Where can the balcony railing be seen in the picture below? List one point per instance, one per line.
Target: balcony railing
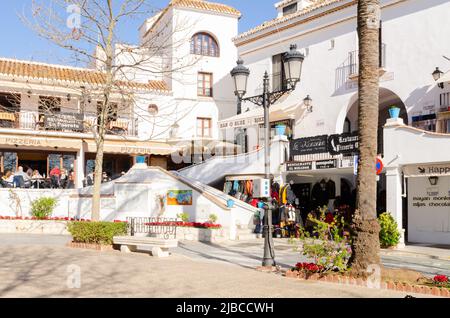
(66, 122)
(353, 58)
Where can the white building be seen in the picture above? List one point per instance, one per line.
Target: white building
(413, 34)
(169, 108)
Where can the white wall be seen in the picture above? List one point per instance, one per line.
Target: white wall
(414, 32)
(428, 223)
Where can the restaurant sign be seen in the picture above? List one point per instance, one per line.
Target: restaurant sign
(343, 144)
(427, 170)
(299, 166)
(326, 164)
(309, 145)
(245, 122)
(64, 121)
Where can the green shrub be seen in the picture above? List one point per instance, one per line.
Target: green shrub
(328, 245)
(183, 216)
(389, 233)
(42, 208)
(213, 218)
(96, 232)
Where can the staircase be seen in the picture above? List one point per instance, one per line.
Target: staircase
(246, 234)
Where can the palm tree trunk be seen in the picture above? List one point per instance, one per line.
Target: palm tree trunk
(365, 225)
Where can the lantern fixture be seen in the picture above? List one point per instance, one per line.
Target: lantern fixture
(293, 61)
(437, 74)
(240, 76)
(308, 104)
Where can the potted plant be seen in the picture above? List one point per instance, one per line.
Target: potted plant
(394, 111)
(280, 129)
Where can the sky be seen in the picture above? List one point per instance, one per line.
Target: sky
(20, 42)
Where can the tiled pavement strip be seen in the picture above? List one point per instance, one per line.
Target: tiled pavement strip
(36, 266)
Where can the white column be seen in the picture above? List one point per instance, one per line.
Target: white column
(394, 198)
(80, 167)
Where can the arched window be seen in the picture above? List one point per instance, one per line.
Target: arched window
(347, 126)
(204, 44)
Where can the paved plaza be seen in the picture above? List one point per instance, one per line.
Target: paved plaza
(41, 266)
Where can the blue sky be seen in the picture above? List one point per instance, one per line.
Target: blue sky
(19, 41)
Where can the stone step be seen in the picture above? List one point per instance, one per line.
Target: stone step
(247, 236)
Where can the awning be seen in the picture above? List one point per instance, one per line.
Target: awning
(286, 108)
(445, 78)
(427, 170)
(132, 147)
(44, 143)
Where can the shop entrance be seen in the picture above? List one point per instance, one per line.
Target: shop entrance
(34, 161)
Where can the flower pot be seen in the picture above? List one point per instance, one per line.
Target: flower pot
(140, 159)
(230, 203)
(394, 112)
(280, 130)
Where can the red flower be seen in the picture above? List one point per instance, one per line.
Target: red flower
(441, 279)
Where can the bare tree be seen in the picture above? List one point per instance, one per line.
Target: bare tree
(90, 30)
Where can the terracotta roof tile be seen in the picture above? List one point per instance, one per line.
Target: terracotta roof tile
(315, 6)
(33, 70)
(205, 5)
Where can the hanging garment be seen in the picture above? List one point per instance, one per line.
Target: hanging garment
(274, 194)
(290, 213)
(276, 187)
(331, 189)
(241, 186)
(319, 195)
(227, 187)
(236, 186)
(283, 194)
(290, 196)
(249, 187)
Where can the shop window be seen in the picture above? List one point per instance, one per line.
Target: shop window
(9, 102)
(204, 44)
(90, 166)
(112, 112)
(68, 162)
(54, 160)
(444, 101)
(278, 74)
(204, 127)
(292, 8)
(49, 104)
(9, 161)
(204, 84)
(425, 122)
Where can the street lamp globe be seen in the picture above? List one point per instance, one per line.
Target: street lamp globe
(308, 103)
(293, 61)
(240, 76)
(437, 74)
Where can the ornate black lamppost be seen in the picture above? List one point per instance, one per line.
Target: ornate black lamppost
(292, 63)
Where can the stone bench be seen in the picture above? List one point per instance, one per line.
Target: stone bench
(160, 246)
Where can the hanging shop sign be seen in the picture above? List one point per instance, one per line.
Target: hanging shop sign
(309, 145)
(427, 170)
(299, 166)
(326, 164)
(64, 121)
(343, 144)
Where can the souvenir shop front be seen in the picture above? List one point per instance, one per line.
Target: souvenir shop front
(286, 216)
(322, 173)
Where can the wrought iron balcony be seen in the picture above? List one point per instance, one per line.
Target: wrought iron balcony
(66, 122)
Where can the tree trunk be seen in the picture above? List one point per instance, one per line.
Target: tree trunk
(365, 225)
(98, 176)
